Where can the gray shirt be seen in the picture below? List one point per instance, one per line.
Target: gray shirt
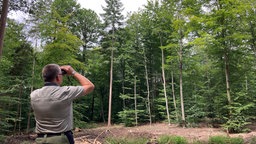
(53, 108)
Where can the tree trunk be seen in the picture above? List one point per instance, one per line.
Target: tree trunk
(84, 54)
(148, 91)
(123, 79)
(31, 90)
(102, 106)
(110, 87)
(246, 84)
(164, 84)
(174, 98)
(18, 116)
(135, 102)
(3, 24)
(20, 106)
(181, 88)
(227, 78)
(92, 107)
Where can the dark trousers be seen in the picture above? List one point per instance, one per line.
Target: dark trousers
(70, 137)
(46, 138)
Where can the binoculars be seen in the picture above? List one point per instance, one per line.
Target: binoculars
(63, 72)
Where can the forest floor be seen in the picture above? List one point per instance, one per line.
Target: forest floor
(151, 132)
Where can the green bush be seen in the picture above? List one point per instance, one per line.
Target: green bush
(237, 121)
(236, 124)
(225, 140)
(127, 117)
(165, 139)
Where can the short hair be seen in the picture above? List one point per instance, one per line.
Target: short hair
(50, 72)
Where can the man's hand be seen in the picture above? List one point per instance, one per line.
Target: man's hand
(68, 69)
(86, 83)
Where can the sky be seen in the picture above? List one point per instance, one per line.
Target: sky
(129, 5)
(96, 5)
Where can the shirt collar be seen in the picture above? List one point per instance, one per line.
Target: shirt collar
(50, 84)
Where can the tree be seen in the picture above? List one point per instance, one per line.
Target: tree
(112, 20)
(163, 20)
(15, 69)
(223, 37)
(149, 46)
(3, 23)
(179, 35)
(61, 45)
(39, 18)
(87, 27)
(132, 73)
(14, 5)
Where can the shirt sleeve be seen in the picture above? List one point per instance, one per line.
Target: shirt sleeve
(72, 92)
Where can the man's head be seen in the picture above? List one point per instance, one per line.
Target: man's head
(52, 73)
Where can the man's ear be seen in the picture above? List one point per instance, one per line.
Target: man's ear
(57, 78)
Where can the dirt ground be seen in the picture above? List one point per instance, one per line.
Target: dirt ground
(151, 132)
(97, 136)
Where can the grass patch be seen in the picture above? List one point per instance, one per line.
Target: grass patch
(165, 139)
(199, 142)
(252, 140)
(225, 140)
(168, 139)
(2, 138)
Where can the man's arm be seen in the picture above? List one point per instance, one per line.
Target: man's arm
(86, 83)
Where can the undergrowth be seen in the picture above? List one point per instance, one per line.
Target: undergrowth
(167, 139)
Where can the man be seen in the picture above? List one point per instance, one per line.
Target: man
(52, 104)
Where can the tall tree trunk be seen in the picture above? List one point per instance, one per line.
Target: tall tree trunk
(165, 95)
(18, 116)
(227, 78)
(181, 85)
(135, 101)
(84, 54)
(164, 84)
(226, 58)
(20, 106)
(110, 88)
(111, 78)
(102, 106)
(153, 94)
(246, 84)
(92, 107)
(174, 98)
(31, 89)
(148, 90)
(123, 79)
(3, 24)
